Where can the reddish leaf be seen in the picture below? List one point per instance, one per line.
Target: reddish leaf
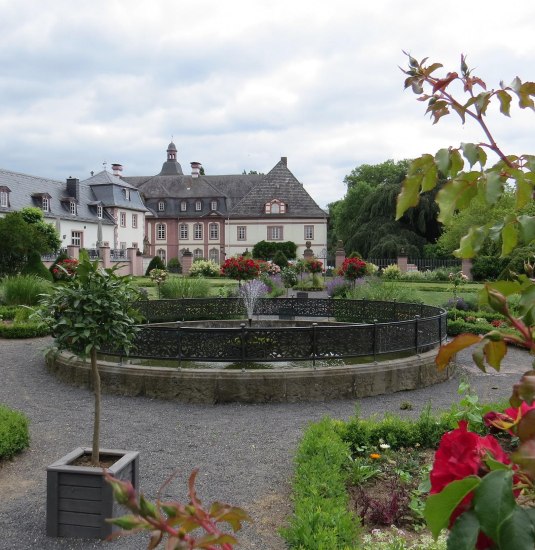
(525, 457)
(495, 352)
(526, 426)
(443, 83)
(524, 390)
(459, 343)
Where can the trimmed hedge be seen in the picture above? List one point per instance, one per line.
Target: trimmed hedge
(321, 520)
(14, 433)
(23, 330)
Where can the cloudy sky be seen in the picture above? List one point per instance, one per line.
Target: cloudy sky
(238, 84)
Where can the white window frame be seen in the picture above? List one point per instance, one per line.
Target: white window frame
(45, 204)
(213, 231)
(122, 219)
(72, 208)
(213, 205)
(161, 231)
(198, 206)
(197, 231)
(213, 254)
(100, 211)
(134, 221)
(77, 238)
(275, 232)
(183, 231)
(161, 206)
(161, 253)
(309, 232)
(4, 199)
(241, 232)
(183, 206)
(126, 193)
(198, 254)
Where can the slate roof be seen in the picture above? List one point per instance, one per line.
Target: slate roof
(25, 188)
(109, 190)
(278, 183)
(240, 195)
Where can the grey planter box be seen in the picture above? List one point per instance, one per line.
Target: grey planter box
(78, 497)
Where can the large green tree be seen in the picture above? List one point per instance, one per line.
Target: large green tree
(35, 217)
(364, 218)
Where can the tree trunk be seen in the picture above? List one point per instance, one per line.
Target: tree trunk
(95, 377)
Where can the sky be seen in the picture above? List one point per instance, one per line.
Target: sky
(238, 84)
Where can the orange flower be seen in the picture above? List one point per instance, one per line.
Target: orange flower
(375, 456)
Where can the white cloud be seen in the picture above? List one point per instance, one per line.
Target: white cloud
(239, 84)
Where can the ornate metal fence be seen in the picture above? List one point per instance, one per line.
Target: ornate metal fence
(370, 329)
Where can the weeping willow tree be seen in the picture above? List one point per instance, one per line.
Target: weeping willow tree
(364, 218)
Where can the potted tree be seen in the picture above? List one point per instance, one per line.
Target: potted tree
(91, 311)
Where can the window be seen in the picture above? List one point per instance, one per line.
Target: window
(100, 211)
(183, 230)
(3, 199)
(213, 205)
(197, 254)
(160, 231)
(275, 207)
(134, 221)
(183, 206)
(274, 233)
(126, 193)
(198, 206)
(122, 217)
(122, 246)
(72, 208)
(76, 238)
(161, 254)
(161, 206)
(214, 255)
(197, 231)
(45, 204)
(309, 232)
(214, 231)
(241, 232)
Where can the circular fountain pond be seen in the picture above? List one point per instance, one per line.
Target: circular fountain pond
(310, 355)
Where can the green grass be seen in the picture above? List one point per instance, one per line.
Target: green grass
(14, 433)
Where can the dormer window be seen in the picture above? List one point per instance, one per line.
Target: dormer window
(213, 205)
(275, 207)
(198, 206)
(183, 206)
(4, 196)
(126, 193)
(161, 206)
(100, 211)
(45, 204)
(72, 208)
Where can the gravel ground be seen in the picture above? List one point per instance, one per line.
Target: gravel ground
(244, 452)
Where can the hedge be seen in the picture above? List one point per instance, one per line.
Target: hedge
(14, 433)
(23, 330)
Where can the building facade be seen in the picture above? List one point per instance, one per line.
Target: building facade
(215, 217)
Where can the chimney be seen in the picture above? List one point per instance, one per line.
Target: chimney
(117, 169)
(284, 161)
(73, 187)
(195, 169)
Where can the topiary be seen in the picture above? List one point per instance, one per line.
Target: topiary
(174, 265)
(155, 263)
(34, 266)
(280, 259)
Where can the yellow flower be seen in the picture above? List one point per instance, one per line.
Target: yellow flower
(375, 456)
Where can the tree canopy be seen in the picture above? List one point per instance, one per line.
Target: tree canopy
(364, 218)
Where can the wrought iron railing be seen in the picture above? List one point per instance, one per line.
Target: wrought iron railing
(118, 255)
(370, 329)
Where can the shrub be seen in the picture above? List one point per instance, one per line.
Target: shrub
(314, 266)
(14, 433)
(36, 267)
(517, 260)
(184, 287)
(337, 287)
(24, 290)
(487, 268)
(391, 273)
(240, 268)
(288, 276)
(459, 326)
(321, 519)
(266, 250)
(352, 269)
(155, 263)
(204, 268)
(280, 259)
(376, 289)
(23, 330)
(463, 304)
(174, 265)
(64, 269)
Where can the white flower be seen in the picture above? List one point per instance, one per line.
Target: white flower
(384, 446)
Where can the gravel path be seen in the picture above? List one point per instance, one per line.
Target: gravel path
(244, 452)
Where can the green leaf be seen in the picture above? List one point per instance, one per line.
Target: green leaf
(471, 242)
(494, 187)
(442, 159)
(464, 533)
(516, 532)
(409, 195)
(527, 228)
(495, 351)
(470, 153)
(494, 501)
(147, 509)
(509, 238)
(439, 507)
(524, 189)
(505, 102)
(457, 163)
(456, 194)
(128, 522)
